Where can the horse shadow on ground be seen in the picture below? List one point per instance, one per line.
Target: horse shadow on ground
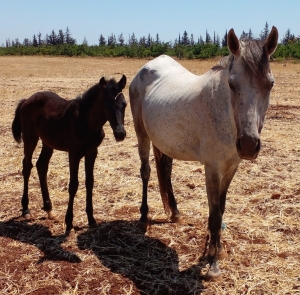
(40, 237)
(150, 264)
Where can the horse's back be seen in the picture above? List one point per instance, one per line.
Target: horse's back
(179, 111)
(42, 115)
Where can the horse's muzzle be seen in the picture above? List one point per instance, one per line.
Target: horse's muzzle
(248, 147)
(120, 133)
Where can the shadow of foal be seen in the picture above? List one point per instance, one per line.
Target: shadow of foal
(40, 237)
(146, 261)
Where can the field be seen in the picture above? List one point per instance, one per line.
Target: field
(262, 210)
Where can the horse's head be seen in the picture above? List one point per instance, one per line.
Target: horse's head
(114, 105)
(250, 81)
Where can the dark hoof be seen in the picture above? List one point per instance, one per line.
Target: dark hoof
(143, 226)
(177, 219)
(214, 273)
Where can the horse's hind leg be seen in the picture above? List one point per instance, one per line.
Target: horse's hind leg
(74, 160)
(29, 146)
(164, 171)
(42, 168)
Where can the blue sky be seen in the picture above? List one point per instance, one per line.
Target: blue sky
(90, 18)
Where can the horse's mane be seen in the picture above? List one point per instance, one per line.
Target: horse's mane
(89, 96)
(254, 58)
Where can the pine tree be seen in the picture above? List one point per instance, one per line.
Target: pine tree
(224, 40)
(61, 37)
(185, 38)
(157, 41)
(132, 40)
(68, 38)
(142, 41)
(102, 40)
(264, 33)
(40, 42)
(34, 41)
(192, 40)
(201, 42)
(207, 38)
(149, 41)
(250, 35)
(111, 40)
(53, 38)
(288, 37)
(121, 40)
(218, 41)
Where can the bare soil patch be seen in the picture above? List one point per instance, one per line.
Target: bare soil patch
(262, 210)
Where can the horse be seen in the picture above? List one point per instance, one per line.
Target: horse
(74, 126)
(215, 118)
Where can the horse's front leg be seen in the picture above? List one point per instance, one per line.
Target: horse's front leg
(74, 160)
(89, 184)
(213, 188)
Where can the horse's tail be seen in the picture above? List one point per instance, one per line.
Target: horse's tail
(17, 124)
(163, 183)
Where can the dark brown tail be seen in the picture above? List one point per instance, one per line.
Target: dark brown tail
(16, 124)
(158, 155)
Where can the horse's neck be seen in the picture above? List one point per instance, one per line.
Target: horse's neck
(218, 93)
(96, 116)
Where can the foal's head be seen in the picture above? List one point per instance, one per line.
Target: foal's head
(114, 105)
(250, 81)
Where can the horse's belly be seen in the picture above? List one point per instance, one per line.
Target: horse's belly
(175, 138)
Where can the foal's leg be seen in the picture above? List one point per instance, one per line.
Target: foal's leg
(164, 171)
(29, 146)
(89, 184)
(42, 168)
(213, 185)
(74, 160)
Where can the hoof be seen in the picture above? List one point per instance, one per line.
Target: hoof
(214, 273)
(143, 226)
(27, 216)
(177, 219)
(51, 216)
(223, 255)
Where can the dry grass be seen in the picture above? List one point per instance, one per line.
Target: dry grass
(262, 211)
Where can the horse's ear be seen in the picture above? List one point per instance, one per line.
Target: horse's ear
(122, 82)
(233, 43)
(271, 42)
(102, 82)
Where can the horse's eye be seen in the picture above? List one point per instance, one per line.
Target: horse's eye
(231, 86)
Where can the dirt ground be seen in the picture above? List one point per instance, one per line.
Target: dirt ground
(262, 210)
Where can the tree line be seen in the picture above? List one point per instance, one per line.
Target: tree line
(185, 46)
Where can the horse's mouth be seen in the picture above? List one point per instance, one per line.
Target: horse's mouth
(248, 152)
(120, 135)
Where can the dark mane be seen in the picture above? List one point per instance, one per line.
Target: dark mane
(89, 96)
